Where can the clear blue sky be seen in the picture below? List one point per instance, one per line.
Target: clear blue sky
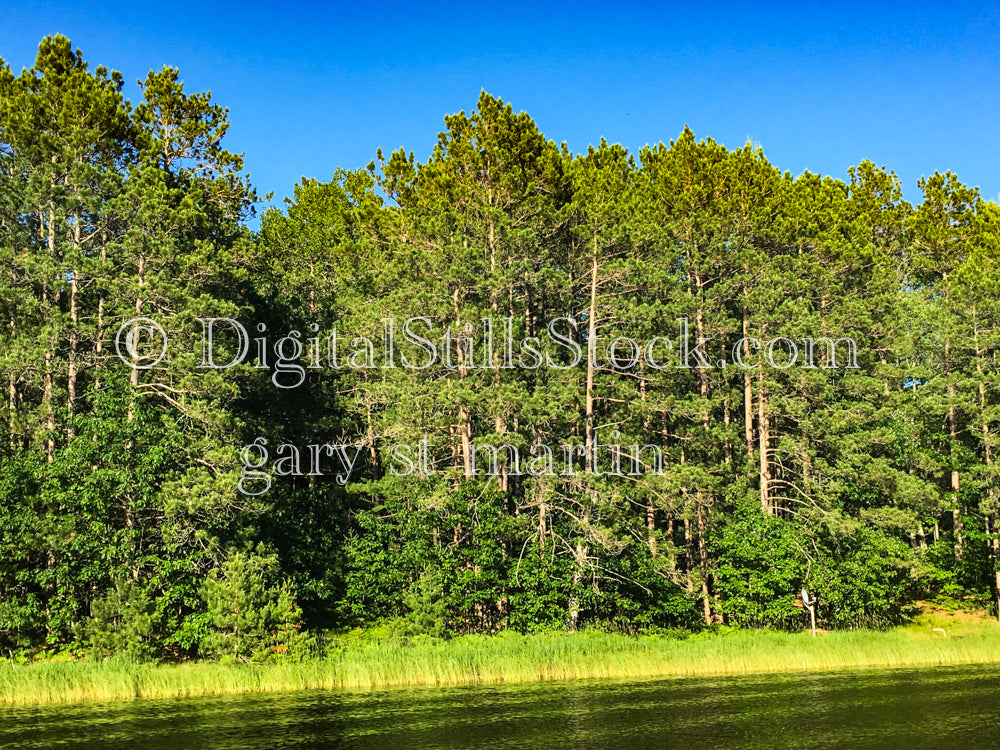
(913, 86)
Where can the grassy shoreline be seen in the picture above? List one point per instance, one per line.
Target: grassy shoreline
(504, 658)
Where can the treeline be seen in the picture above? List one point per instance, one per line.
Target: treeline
(122, 523)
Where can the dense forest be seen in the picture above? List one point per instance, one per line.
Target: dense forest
(128, 522)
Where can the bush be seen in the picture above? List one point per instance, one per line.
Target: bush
(425, 600)
(253, 617)
(121, 623)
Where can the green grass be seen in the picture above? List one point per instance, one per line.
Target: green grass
(505, 658)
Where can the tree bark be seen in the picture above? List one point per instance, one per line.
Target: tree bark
(703, 561)
(139, 302)
(591, 355)
(747, 387)
(765, 437)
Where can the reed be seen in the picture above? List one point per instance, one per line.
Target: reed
(508, 657)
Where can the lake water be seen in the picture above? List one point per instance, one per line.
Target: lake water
(953, 707)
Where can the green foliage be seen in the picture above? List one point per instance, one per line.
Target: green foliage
(875, 485)
(254, 617)
(425, 600)
(121, 623)
(867, 583)
(760, 569)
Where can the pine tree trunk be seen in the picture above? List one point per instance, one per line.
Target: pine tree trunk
(703, 560)
(650, 508)
(139, 302)
(99, 344)
(747, 387)
(542, 510)
(591, 355)
(579, 565)
(955, 513)
(465, 435)
(12, 377)
(994, 515)
(48, 394)
(765, 437)
(993, 519)
(74, 321)
(703, 498)
(464, 416)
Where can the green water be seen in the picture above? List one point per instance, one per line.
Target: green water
(954, 708)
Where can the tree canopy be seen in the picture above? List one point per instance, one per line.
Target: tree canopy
(811, 362)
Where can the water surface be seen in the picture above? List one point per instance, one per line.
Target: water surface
(945, 707)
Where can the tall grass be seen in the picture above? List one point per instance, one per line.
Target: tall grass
(505, 658)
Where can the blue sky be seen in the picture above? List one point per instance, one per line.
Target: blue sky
(913, 86)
